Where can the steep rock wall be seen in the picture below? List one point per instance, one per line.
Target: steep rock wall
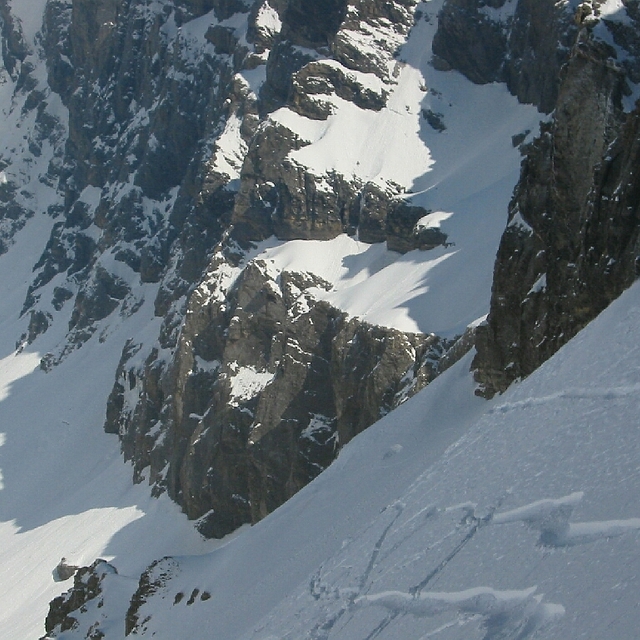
(522, 43)
(252, 384)
(570, 246)
(265, 385)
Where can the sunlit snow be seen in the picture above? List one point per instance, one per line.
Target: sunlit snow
(451, 518)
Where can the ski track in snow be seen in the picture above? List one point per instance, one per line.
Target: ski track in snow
(570, 394)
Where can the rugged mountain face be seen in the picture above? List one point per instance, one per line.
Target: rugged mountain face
(264, 386)
(166, 142)
(571, 245)
(167, 145)
(158, 141)
(252, 396)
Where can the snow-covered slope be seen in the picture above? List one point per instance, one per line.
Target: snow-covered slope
(64, 490)
(450, 518)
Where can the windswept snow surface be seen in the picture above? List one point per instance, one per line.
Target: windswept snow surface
(452, 518)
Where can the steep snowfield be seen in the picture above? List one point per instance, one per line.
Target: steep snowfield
(64, 489)
(451, 518)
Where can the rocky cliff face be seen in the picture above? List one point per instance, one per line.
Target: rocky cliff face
(165, 147)
(167, 144)
(264, 386)
(571, 245)
(523, 44)
(252, 394)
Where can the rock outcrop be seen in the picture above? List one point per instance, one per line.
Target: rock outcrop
(571, 244)
(522, 43)
(87, 591)
(154, 143)
(266, 383)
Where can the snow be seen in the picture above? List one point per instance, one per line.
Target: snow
(467, 172)
(65, 489)
(374, 146)
(482, 601)
(230, 149)
(613, 10)
(268, 20)
(433, 220)
(451, 518)
(540, 284)
(551, 518)
(501, 14)
(29, 15)
(518, 221)
(391, 553)
(254, 78)
(342, 262)
(246, 383)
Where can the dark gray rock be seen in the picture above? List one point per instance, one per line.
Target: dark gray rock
(374, 206)
(284, 61)
(152, 579)
(540, 39)
(545, 284)
(14, 48)
(265, 385)
(470, 41)
(313, 23)
(87, 586)
(280, 197)
(368, 18)
(64, 571)
(402, 232)
(317, 79)
(98, 299)
(526, 49)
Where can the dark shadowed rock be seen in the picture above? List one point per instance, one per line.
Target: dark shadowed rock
(266, 384)
(545, 288)
(525, 48)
